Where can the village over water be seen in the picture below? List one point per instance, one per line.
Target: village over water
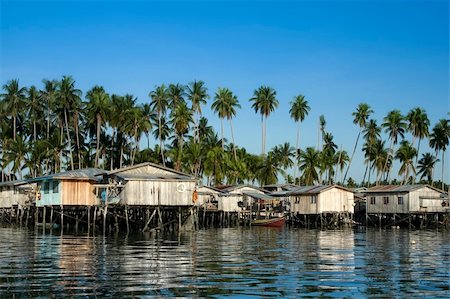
(151, 197)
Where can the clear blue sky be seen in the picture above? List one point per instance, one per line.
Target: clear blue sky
(390, 54)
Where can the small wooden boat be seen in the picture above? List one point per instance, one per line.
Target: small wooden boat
(272, 222)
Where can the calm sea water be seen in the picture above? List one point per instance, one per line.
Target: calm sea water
(238, 262)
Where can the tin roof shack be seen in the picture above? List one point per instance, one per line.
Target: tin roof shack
(236, 198)
(16, 193)
(208, 197)
(394, 199)
(149, 184)
(321, 199)
(71, 188)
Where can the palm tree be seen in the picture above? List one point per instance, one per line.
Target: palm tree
(98, 109)
(159, 102)
(34, 109)
(395, 126)
(17, 152)
(341, 160)
(371, 135)
(418, 124)
(48, 95)
(176, 94)
(439, 140)
(405, 154)
(361, 115)
(265, 102)
(321, 131)
(426, 166)
(14, 98)
(197, 93)
(225, 104)
(328, 154)
(181, 120)
(299, 110)
(309, 163)
(268, 170)
(68, 97)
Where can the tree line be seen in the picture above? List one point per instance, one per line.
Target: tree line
(56, 127)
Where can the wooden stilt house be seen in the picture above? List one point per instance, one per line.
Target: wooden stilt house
(16, 193)
(404, 199)
(71, 188)
(150, 184)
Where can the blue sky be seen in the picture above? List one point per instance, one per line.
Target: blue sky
(390, 54)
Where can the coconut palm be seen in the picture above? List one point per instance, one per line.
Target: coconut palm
(362, 113)
(268, 170)
(371, 134)
(309, 163)
(341, 160)
(225, 104)
(98, 109)
(68, 97)
(405, 154)
(197, 93)
(34, 111)
(426, 166)
(48, 95)
(16, 152)
(176, 94)
(439, 140)
(265, 102)
(395, 126)
(299, 110)
(181, 120)
(321, 131)
(418, 124)
(14, 98)
(159, 102)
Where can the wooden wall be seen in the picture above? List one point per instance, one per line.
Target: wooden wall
(10, 195)
(424, 199)
(330, 200)
(154, 193)
(78, 193)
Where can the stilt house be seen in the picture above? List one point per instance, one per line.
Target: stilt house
(14, 193)
(235, 198)
(150, 184)
(208, 197)
(309, 200)
(404, 199)
(71, 188)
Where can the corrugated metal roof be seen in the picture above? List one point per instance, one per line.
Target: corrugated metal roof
(79, 174)
(258, 195)
(146, 177)
(315, 189)
(148, 164)
(14, 183)
(395, 188)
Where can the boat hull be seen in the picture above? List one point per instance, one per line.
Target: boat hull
(274, 222)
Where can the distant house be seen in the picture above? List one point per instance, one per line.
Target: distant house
(234, 198)
(395, 199)
(321, 199)
(150, 184)
(208, 197)
(71, 188)
(16, 193)
(279, 187)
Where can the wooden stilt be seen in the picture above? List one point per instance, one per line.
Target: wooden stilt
(126, 218)
(44, 212)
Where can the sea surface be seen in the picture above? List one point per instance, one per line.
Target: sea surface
(245, 262)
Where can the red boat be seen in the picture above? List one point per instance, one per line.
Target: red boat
(272, 222)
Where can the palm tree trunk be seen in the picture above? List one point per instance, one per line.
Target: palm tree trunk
(442, 181)
(14, 127)
(160, 139)
(232, 138)
(75, 121)
(98, 141)
(297, 150)
(221, 132)
(353, 154)
(68, 139)
(262, 134)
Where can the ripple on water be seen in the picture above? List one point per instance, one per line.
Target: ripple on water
(244, 262)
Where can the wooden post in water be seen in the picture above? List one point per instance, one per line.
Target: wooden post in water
(105, 212)
(126, 218)
(44, 212)
(51, 218)
(88, 219)
(62, 219)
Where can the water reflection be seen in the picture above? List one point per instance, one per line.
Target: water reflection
(253, 261)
